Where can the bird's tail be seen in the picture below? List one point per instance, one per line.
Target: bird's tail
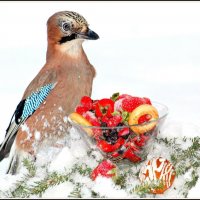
(13, 165)
(8, 140)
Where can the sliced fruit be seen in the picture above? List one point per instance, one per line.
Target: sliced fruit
(108, 147)
(114, 121)
(90, 116)
(82, 121)
(129, 154)
(123, 132)
(104, 107)
(140, 140)
(141, 110)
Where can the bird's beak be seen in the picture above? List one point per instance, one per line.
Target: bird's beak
(89, 35)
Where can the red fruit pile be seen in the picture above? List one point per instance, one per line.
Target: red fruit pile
(110, 116)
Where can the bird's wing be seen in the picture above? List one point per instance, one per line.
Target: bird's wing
(24, 110)
(44, 77)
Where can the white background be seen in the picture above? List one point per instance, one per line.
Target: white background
(147, 49)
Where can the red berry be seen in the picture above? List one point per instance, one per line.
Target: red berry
(86, 101)
(139, 141)
(106, 169)
(114, 121)
(105, 119)
(129, 104)
(123, 132)
(81, 109)
(131, 156)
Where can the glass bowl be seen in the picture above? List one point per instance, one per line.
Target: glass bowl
(131, 147)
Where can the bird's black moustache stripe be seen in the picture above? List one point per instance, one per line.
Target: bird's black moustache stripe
(67, 38)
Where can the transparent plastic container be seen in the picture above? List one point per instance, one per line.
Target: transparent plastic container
(130, 149)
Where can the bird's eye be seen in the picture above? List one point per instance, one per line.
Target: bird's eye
(66, 26)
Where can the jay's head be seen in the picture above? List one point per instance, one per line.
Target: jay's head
(66, 26)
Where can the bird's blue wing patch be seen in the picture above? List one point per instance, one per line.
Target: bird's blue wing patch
(24, 109)
(35, 99)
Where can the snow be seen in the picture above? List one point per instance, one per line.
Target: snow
(194, 192)
(106, 187)
(78, 145)
(37, 135)
(26, 129)
(76, 153)
(7, 181)
(66, 158)
(59, 191)
(151, 50)
(180, 129)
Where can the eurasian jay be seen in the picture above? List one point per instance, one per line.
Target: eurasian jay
(39, 120)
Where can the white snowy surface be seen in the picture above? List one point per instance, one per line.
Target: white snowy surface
(59, 191)
(147, 49)
(105, 187)
(61, 158)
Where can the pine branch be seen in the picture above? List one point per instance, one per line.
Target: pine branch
(21, 189)
(190, 152)
(183, 160)
(189, 184)
(38, 188)
(51, 180)
(76, 193)
(121, 180)
(30, 166)
(146, 187)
